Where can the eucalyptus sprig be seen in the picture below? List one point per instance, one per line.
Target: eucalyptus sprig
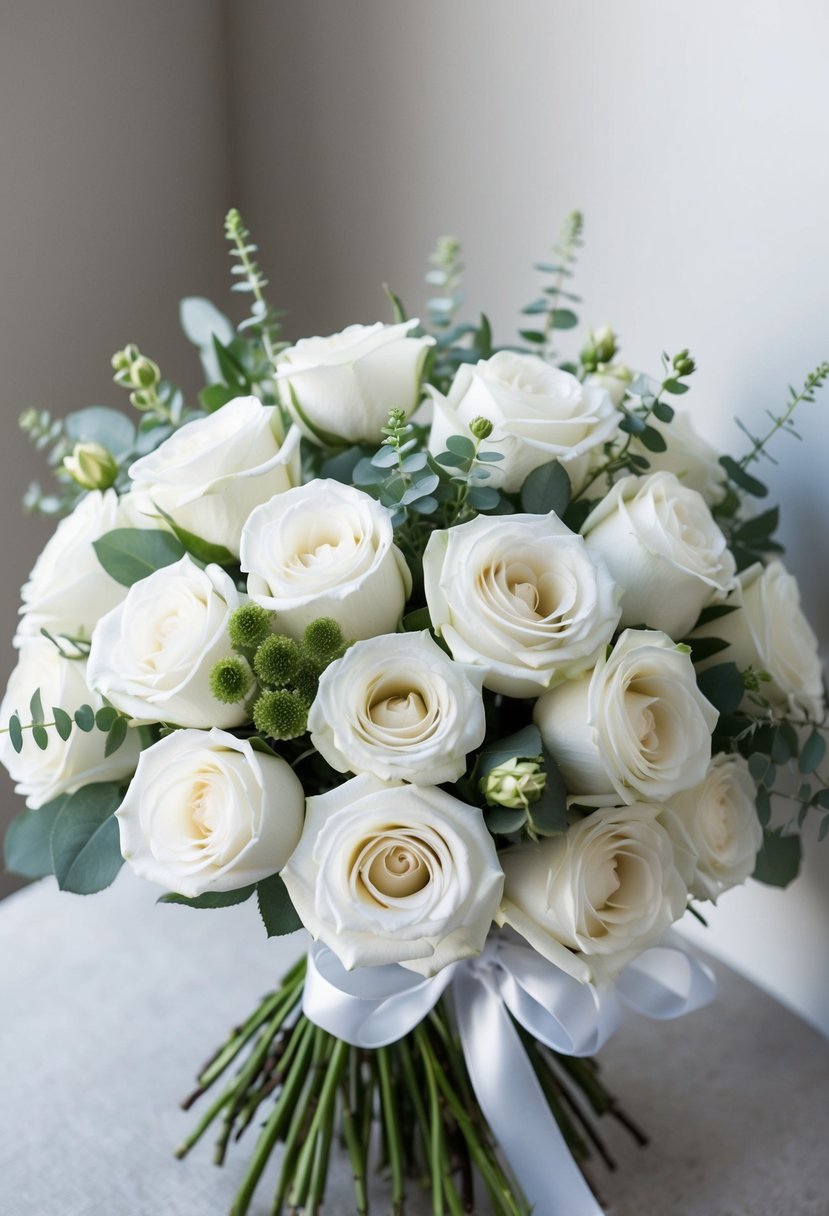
(263, 321)
(446, 275)
(556, 316)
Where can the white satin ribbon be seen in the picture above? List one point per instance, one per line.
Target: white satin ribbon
(374, 1006)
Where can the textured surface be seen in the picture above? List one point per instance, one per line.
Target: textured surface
(110, 1003)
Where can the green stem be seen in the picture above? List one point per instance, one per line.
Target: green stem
(333, 1054)
(392, 1131)
(355, 1151)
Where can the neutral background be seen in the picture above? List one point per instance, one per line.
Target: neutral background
(351, 135)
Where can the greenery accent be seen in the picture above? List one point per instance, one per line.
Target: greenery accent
(278, 660)
(281, 714)
(263, 321)
(446, 275)
(249, 625)
(323, 641)
(549, 305)
(86, 853)
(230, 680)
(130, 554)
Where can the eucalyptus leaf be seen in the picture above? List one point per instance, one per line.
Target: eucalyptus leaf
(210, 899)
(546, 489)
(741, 478)
(86, 852)
(778, 862)
(27, 849)
(100, 424)
(130, 554)
(812, 753)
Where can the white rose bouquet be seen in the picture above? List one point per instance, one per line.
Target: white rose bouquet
(479, 665)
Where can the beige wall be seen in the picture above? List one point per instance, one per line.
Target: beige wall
(692, 136)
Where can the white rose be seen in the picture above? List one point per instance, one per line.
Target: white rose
(68, 590)
(399, 708)
(661, 545)
(326, 549)
(593, 898)
(520, 596)
(770, 633)
(64, 766)
(715, 829)
(340, 389)
(211, 473)
(539, 413)
(395, 874)
(690, 457)
(205, 812)
(637, 726)
(153, 654)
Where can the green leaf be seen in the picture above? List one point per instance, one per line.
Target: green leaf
(706, 648)
(821, 799)
(713, 613)
(86, 852)
(417, 620)
(63, 722)
(722, 685)
(823, 829)
(482, 341)
(451, 460)
(756, 531)
(36, 706)
(763, 804)
(115, 736)
(535, 336)
(100, 424)
(525, 744)
(85, 718)
(461, 445)
(130, 554)
(210, 899)
(676, 387)
(232, 372)
(546, 489)
(563, 318)
(778, 861)
(503, 820)
(743, 479)
(398, 311)
(549, 814)
(202, 550)
(26, 849)
(632, 424)
(214, 396)
(16, 733)
(663, 411)
(483, 498)
(105, 717)
(814, 750)
(653, 440)
(41, 737)
(278, 913)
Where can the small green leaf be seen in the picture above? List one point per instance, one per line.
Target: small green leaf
(713, 613)
(214, 396)
(535, 336)
(821, 799)
(503, 821)
(743, 479)
(778, 861)
(676, 387)
(461, 445)
(483, 338)
(105, 717)
(210, 899)
(116, 736)
(415, 621)
(16, 733)
(233, 374)
(398, 311)
(546, 489)
(563, 318)
(86, 852)
(41, 737)
(814, 750)
(663, 411)
(653, 440)
(100, 424)
(63, 722)
(278, 913)
(632, 424)
(85, 718)
(763, 804)
(130, 554)
(36, 706)
(706, 648)
(483, 498)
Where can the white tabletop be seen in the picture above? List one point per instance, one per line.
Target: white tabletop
(109, 1004)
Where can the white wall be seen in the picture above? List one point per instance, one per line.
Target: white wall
(694, 138)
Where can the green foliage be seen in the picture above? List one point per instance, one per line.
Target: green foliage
(107, 719)
(546, 489)
(86, 853)
(130, 554)
(446, 276)
(550, 306)
(323, 642)
(210, 899)
(547, 815)
(263, 321)
(27, 848)
(203, 551)
(278, 913)
(230, 680)
(249, 625)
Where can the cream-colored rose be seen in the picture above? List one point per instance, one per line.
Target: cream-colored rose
(153, 654)
(205, 812)
(326, 549)
(591, 899)
(715, 829)
(690, 457)
(539, 413)
(340, 389)
(638, 726)
(64, 766)
(662, 546)
(211, 473)
(398, 707)
(68, 590)
(521, 597)
(769, 632)
(394, 873)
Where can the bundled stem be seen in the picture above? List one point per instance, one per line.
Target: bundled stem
(412, 1100)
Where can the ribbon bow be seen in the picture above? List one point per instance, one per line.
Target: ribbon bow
(374, 1006)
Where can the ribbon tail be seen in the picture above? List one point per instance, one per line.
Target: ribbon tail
(514, 1105)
